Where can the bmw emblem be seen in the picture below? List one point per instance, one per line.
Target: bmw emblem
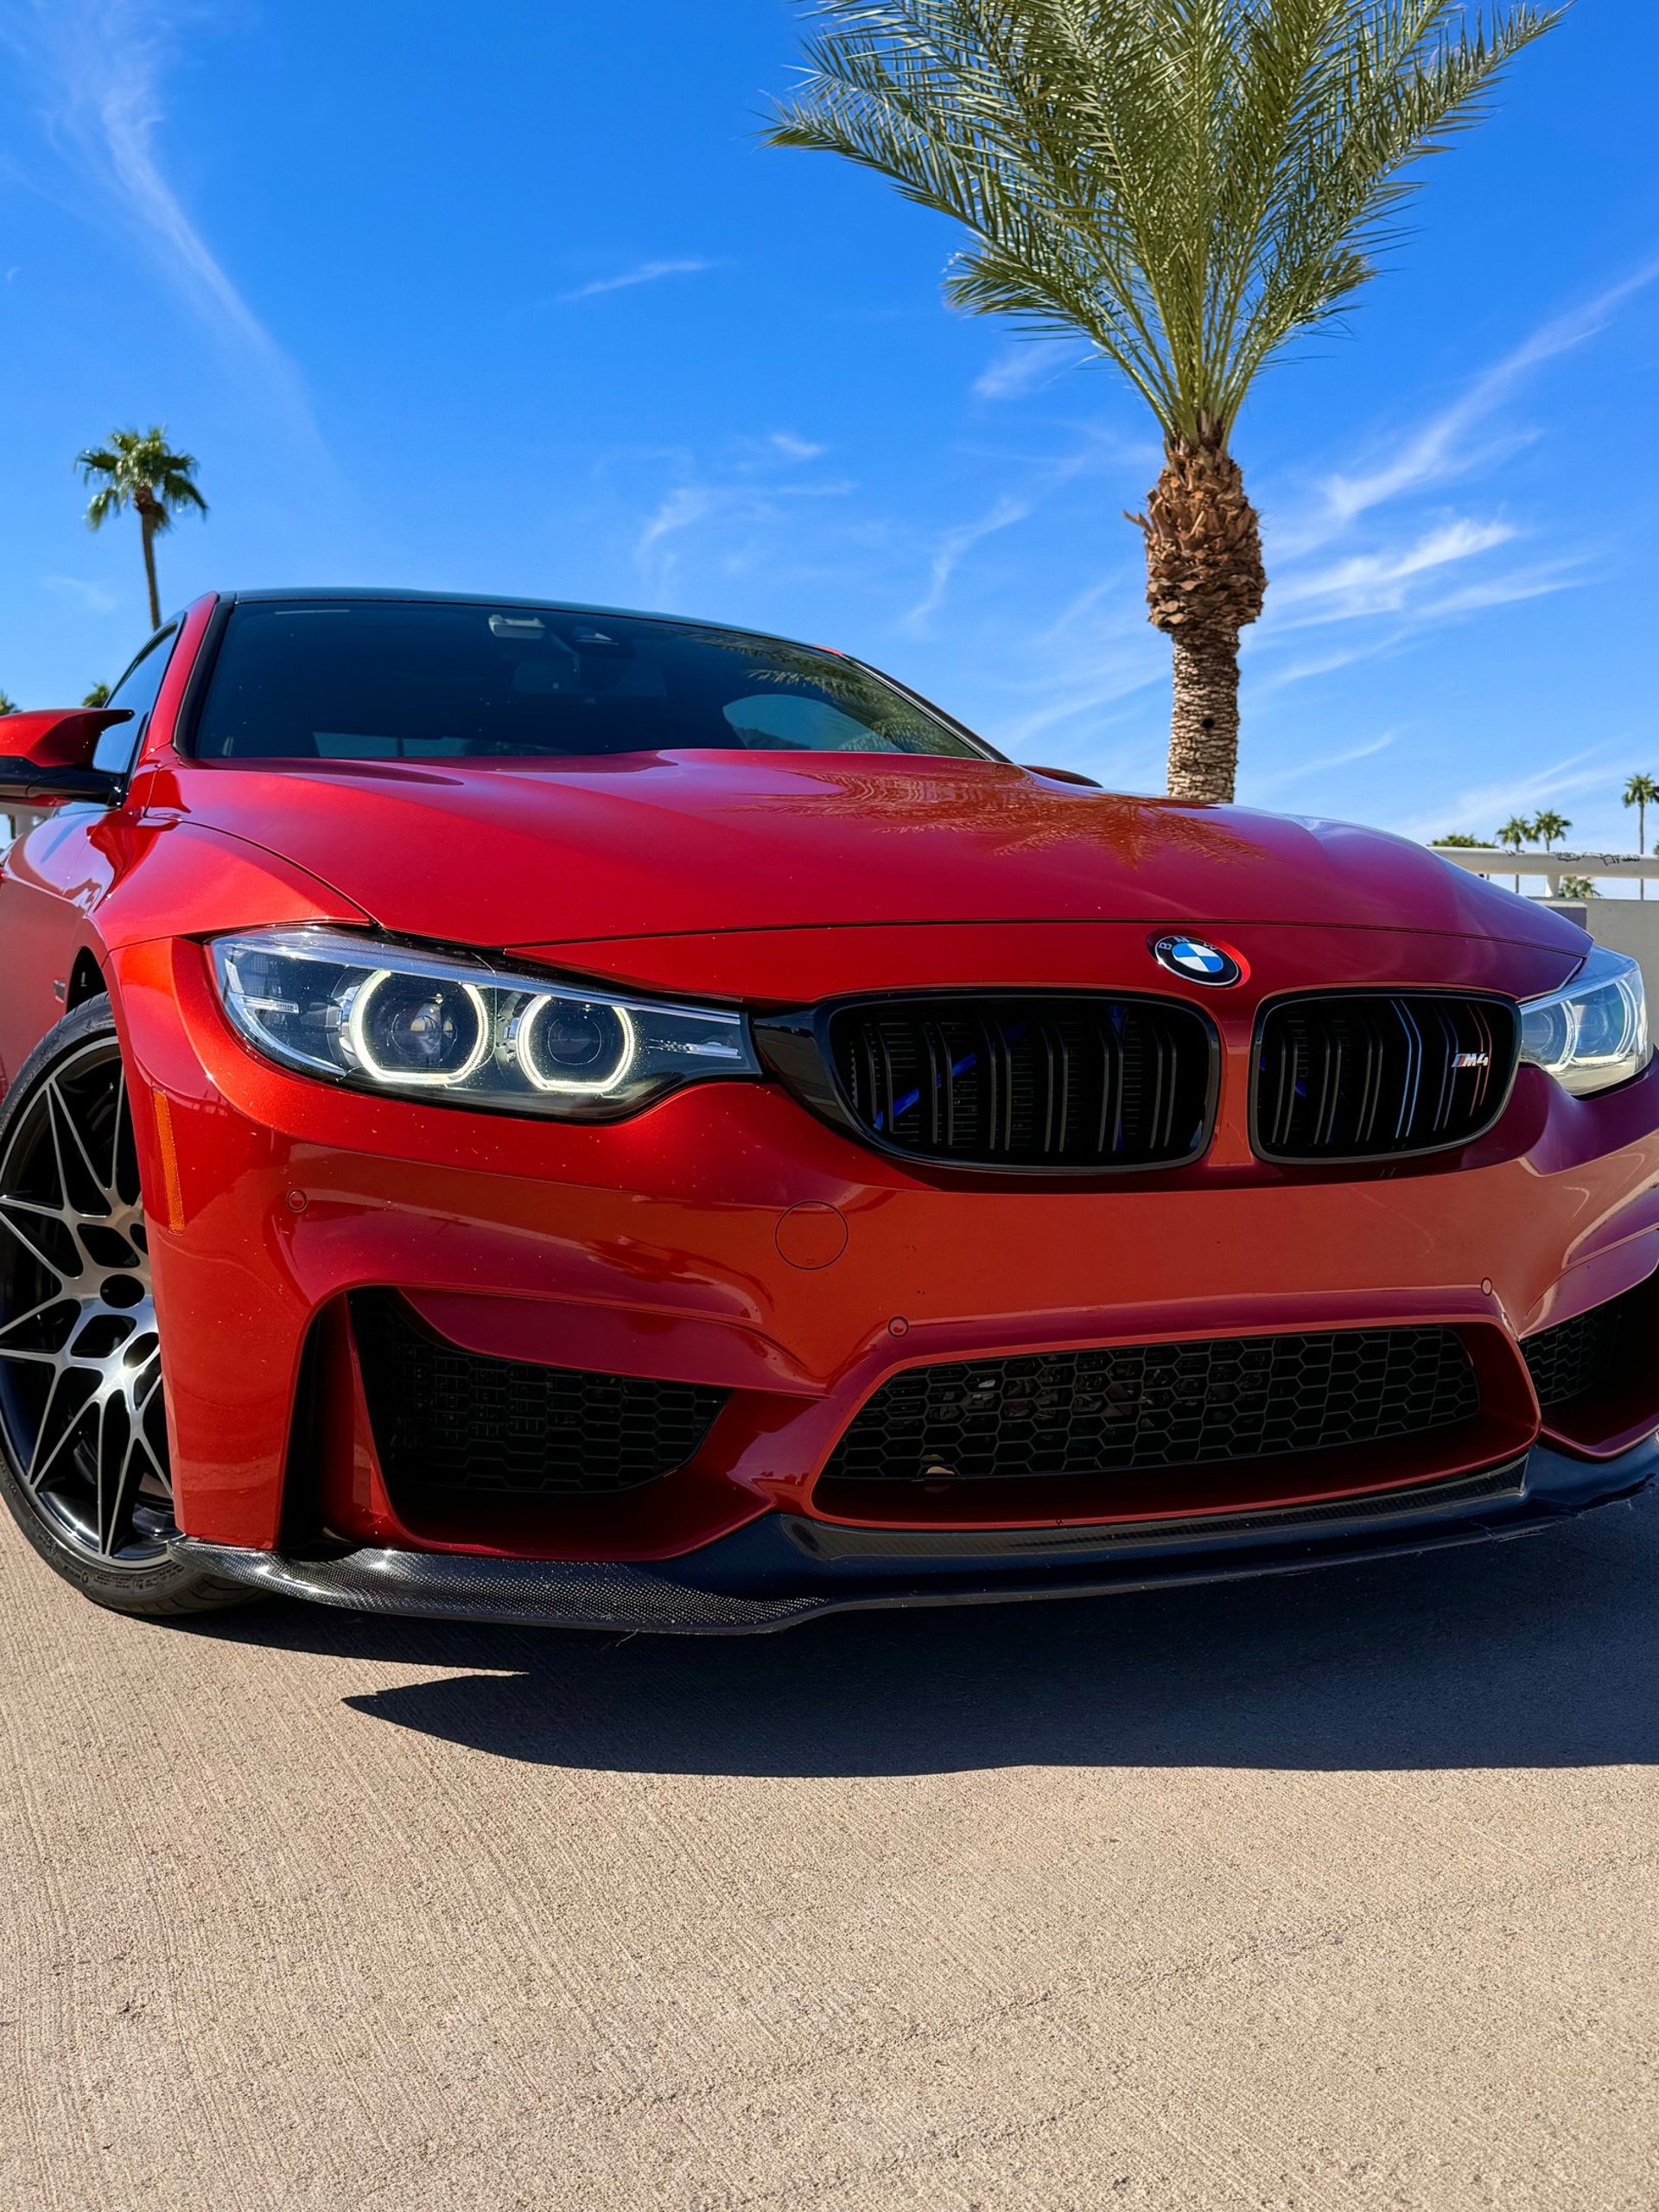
(1197, 961)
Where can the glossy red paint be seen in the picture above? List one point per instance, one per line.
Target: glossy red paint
(772, 841)
(57, 737)
(726, 1236)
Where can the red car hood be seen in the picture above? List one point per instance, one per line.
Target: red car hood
(651, 844)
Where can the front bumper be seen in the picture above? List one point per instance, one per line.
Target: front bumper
(782, 1569)
(726, 1239)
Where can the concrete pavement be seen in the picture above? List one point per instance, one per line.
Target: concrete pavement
(1332, 1893)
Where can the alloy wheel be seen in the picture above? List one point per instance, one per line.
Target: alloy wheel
(81, 1407)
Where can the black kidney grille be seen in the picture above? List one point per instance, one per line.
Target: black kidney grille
(1143, 1406)
(1579, 1356)
(454, 1421)
(1029, 1082)
(1365, 1075)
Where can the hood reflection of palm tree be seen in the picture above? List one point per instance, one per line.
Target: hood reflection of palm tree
(1030, 815)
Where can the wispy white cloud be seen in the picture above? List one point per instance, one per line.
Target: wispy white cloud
(1278, 677)
(1476, 805)
(1382, 583)
(734, 518)
(97, 69)
(948, 554)
(1461, 437)
(1093, 450)
(1089, 686)
(686, 506)
(1277, 779)
(1024, 366)
(1513, 587)
(94, 598)
(647, 272)
(793, 449)
(1408, 587)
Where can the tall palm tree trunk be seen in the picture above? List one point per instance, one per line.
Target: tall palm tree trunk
(1203, 716)
(1642, 845)
(147, 524)
(1204, 581)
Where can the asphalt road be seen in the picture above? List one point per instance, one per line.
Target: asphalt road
(1337, 1892)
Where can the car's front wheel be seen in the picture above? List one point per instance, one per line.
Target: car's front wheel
(83, 1428)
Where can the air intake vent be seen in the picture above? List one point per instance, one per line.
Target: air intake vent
(1144, 1406)
(1030, 1082)
(1371, 1076)
(1577, 1357)
(450, 1421)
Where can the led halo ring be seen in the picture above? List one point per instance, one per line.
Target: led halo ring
(523, 1030)
(442, 1079)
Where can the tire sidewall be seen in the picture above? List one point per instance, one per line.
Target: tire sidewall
(169, 1584)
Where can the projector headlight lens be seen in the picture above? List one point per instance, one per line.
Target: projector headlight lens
(391, 1018)
(1593, 1033)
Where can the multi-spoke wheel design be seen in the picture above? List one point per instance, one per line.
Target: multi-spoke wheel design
(80, 1370)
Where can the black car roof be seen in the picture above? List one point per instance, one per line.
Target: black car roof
(550, 605)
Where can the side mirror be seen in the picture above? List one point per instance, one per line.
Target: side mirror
(47, 755)
(1062, 776)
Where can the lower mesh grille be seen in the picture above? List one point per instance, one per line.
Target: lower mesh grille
(1582, 1354)
(1147, 1406)
(446, 1420)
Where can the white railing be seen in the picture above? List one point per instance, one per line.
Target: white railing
(1493, 860)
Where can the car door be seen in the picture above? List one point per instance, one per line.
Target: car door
(54, 870)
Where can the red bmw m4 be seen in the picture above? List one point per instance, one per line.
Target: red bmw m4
(532, 1113)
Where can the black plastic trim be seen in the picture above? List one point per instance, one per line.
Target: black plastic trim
(796, 1047)
(1269, 1006)
(201, 676)
(25, 781)
(1367, 1509)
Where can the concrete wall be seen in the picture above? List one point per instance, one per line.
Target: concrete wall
(1623, 925)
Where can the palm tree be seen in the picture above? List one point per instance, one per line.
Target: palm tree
(1187, 185)
(98, 697)
(1549, 826)
(139, 469)
(1516, 836)
(7, 706)
(1641, 792)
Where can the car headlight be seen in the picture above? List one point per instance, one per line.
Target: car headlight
(1594, 1033)
(387, 1017)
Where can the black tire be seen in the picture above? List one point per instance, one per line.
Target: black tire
(83, 1440)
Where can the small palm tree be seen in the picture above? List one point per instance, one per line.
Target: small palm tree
(1515, 836)
(1185, 184)
(1641, 792)
(1461, 837)
(138, 469)
(1549, 826)
(7, 706)
(1578, 886)
(98, 697)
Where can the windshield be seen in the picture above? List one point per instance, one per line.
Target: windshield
(405, 680)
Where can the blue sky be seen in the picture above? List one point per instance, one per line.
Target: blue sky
(509, 298)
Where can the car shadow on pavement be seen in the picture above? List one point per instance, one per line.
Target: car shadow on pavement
(1537, 1653)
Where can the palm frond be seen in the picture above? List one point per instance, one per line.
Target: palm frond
(139, 468)
(1188, 183)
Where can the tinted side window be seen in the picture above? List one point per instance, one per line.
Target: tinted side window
(137, 691)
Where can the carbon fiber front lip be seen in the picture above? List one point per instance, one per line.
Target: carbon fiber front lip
(524, 1594)
(760, 1579)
